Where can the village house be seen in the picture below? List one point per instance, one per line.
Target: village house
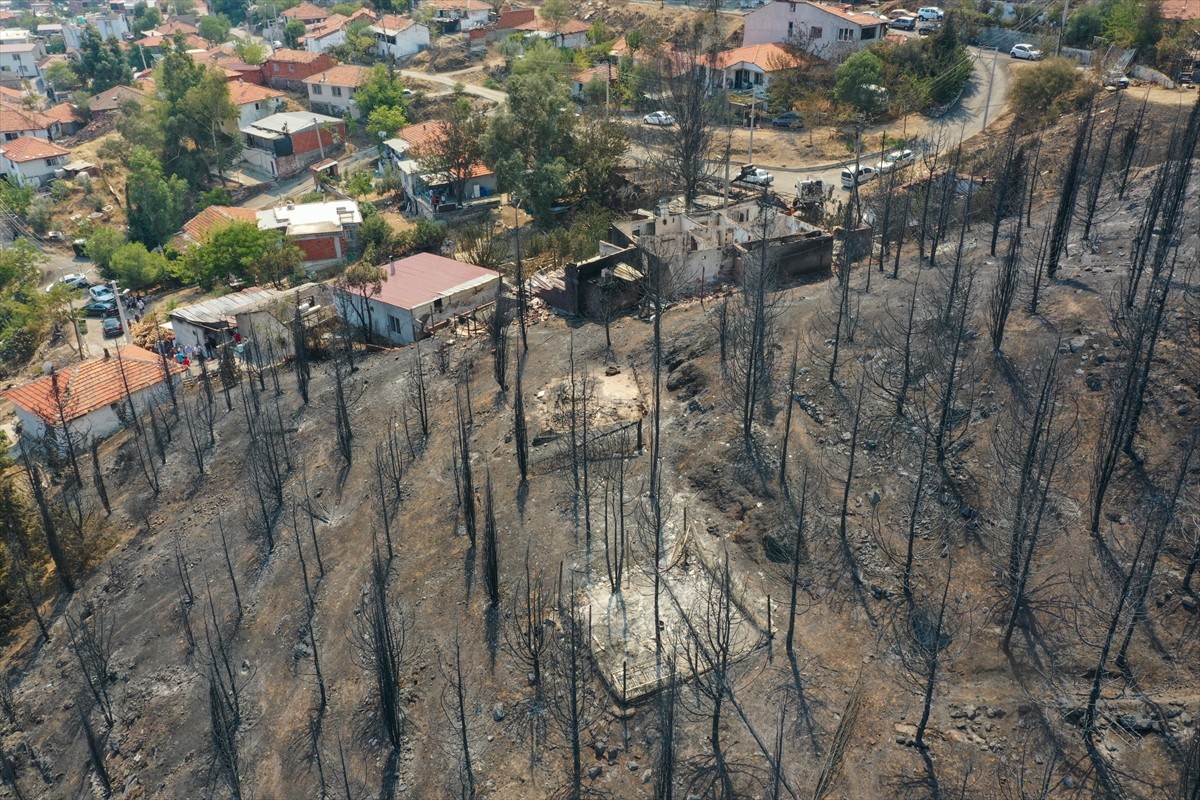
(306, 12)
(752, 66)
(571, 34)
(31, 162)
(427, 194)
(287, 69)
(110, 100)
(285, 143)
(326, 232)
(17, 121)
(68, 116)
(332, 91)
(108, 25)
(332, 31)
(601, 73)
(92, 396)
(253, 102)
(231, 64)
(418, 294)
(212, 218)
(254, 312)
(19, 63)
(454, 16)
(399, 37)
(825, 31)
(506, 24)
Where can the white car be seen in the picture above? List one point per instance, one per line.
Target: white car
(897, 159)
(658, 118)
(101, 294)
(1026, 51)
(930, 13)
(757, 176)
(73, 281)
(863, 175)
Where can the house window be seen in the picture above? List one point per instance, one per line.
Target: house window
(868, 33)
(8, 137)
(336, 91)
(817, 32)
(291, 67)
(437, 306)
(395, 325)
(791, 29)
(845, 34)
(316, 88)
(50, 162)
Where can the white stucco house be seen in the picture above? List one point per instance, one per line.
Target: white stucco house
(332, 31)
(826, 31)
(751, 68)
(399, 37)
(92, 396)
(418, 294)
(19, 62)
(31, 162)
(332, 92)
(254, 102)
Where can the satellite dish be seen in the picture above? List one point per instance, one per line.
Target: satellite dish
(48, 368)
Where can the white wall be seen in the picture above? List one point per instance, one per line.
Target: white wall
(31, 173)
(329, 103)
(409, 42)
(413, 323)
(779, 21)
(250, 113)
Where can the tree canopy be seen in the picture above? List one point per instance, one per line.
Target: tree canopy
(243, 250)
(154, 202)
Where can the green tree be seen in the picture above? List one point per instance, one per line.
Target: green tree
(62, 76)
(15, 198)
(556, 12)
(456, 147)
(292, 32)
(235, 10)
(251, 52)
(1046, 91)
(40, 215)
(101, 244)
(359, 183)
(599, 145)
(598, 32)
(385, 120)
(242, 250)
(1083, 26)
(145, 18)
(381, 89)
(23, 318)
(541, 57)
(528, 143)
(378, 240)
(856, 82)
(102, 61)
(136, 267)
(214, 29)
(154, 203)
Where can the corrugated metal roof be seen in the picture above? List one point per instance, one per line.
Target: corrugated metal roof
(219, 309)
(420, 279)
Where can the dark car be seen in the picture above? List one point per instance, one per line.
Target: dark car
(788, 119)
(903, 24)
(112, 327)
(100, 309)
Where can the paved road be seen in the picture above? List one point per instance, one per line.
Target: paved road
(273, 193)
(59, 264)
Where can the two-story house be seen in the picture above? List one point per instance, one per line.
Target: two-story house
(31, 162)
(399, 37)
(332, 91)
(285, 143)
(287, 69)
(306, 12)
(253, 102)
(826, 31)
(332, 31)
(19, 63)
(458, 15)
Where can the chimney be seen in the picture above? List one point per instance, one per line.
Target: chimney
(392, 267)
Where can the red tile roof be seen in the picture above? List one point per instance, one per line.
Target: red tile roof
(174, 26)
(424, 134)
(423, 278)
(567, 28)
(92, 384)
(191, 41)
(295, 56)
(865, 20)
(341, 75)
(241, 93)
(29, 148)
(768, 57)
(215, 217)
(14, 117)
(305, 10)
(63, 113)
(394, 22)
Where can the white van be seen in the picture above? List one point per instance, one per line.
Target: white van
(930, 14)
(862, 173)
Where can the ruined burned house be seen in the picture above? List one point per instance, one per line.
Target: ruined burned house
(695, 248)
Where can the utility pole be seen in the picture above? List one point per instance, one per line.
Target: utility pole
(116, 290)
(320, 144)
(750, 155)
(1062, 27)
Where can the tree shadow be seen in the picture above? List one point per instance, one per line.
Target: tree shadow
(806, 715)
(522, 498)
(391, 776)
(469, 571)
(491, 621)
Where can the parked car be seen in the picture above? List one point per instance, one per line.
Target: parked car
(112, 327)
(788, 119)
(863, 174)
(897, 159)
(927, 28)
(658, 118)
(100, 309)
(903, 23)
(756, 175)
(897, 13)
(102, 294)
(1117, 80)
(930, 13)
(1026, 51)
(75, 281)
